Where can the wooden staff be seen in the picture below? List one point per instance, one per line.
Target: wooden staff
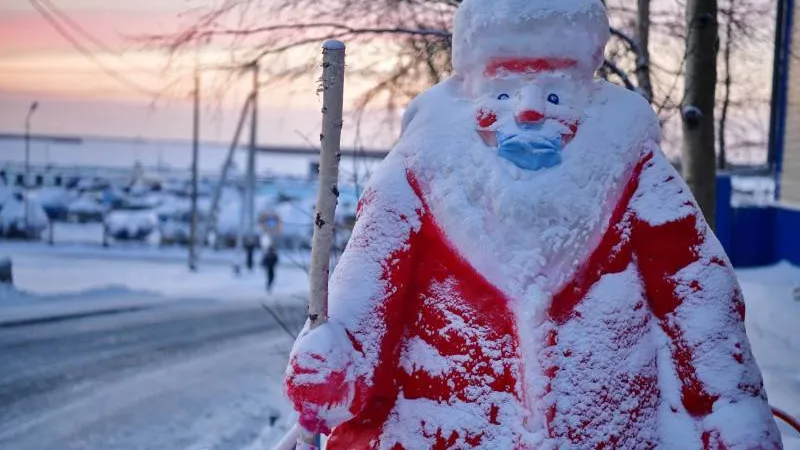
(333, 53)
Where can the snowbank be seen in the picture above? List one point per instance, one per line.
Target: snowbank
(773, 320)
(9, 295)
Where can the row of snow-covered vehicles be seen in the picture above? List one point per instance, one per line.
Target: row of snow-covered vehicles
(160, 212)
(28, 214)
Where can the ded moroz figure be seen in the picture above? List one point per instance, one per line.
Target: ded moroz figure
(528, 271)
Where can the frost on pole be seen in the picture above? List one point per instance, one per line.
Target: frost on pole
(528, 270)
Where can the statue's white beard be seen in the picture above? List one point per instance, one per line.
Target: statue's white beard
(523, 229)
(526, 232)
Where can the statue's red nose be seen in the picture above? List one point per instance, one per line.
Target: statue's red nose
(529, 116)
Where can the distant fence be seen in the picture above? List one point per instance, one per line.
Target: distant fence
(756, 235)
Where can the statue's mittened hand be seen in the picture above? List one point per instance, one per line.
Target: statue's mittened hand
(319, 378)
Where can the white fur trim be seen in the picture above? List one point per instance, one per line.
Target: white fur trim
(486, 29)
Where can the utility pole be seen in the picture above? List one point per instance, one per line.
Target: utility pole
(26, 181)
(213, 214)
(250, 176)
(195, 155)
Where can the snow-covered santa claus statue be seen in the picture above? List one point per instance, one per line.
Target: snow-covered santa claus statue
(528, 271)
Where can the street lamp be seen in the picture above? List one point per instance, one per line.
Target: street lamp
(26, 183)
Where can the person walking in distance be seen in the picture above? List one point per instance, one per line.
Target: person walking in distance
(268, 262)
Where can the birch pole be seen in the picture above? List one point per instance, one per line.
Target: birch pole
(332, 87)
(327, 190)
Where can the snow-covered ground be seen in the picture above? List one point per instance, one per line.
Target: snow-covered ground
(44, 270)
(773, 325)
(133, 274)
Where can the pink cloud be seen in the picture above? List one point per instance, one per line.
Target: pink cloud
(27, 32)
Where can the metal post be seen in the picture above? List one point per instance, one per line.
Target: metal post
(250, 177)
(26, 181)
(211, 221)
(195, 156)
(27, 173)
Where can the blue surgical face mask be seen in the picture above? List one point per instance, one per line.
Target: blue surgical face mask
(530, 151)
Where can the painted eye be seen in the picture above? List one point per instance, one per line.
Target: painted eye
(553, 98)
(503, 97)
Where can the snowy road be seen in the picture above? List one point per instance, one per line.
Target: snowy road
(191, 375)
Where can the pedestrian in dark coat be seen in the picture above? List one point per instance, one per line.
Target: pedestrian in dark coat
(269, 261)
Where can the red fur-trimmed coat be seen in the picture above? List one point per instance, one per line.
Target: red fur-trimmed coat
(428, 353)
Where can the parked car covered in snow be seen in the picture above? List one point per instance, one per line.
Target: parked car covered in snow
(55, 201)
(92, 184)
(113, 198)
(145, 201)
(172, 207)
(177, 187)
(228, 225)
(174, 231)
(16, 223)
(128, 225)
(174, 225)
(5, 193)
(85, 209)
(296, 224)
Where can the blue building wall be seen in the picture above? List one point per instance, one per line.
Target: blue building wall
(756, 236)
(724, 211)
(787, 235)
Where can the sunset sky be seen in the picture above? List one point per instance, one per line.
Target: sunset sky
(77, 98)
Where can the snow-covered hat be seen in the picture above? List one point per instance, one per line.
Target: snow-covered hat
(566, 30)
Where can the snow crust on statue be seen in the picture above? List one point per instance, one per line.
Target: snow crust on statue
(528, 271)
(575, 30)
(526, 230)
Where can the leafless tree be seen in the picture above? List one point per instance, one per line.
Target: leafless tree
(699, 103)
(400, 47)
(415, 32)
(642, 37)
(744, 89)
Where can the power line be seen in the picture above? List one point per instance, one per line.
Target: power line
(80, 48)
(76, 26)
(57, 71)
